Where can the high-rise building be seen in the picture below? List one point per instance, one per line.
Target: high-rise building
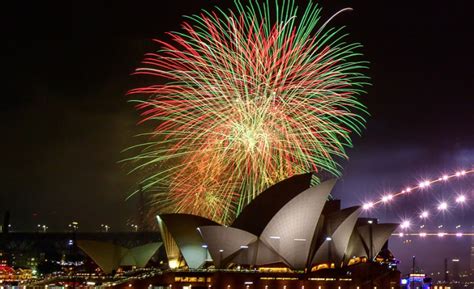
(455, 269)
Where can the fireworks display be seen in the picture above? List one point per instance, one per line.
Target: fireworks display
(243, 99)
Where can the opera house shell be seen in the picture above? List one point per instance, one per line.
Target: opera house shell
(110, 257)
(291, 224)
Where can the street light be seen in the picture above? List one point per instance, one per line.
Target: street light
(405, 224)
(329, 241)
(424, 184)
(42, 228)
(371, 249)
(443, 206)
(424, 214)
(368, 206)
(461, 199)
(74, 226)
(104, 227)
(387, 198)
(221, 251)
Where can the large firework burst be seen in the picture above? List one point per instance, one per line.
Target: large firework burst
(246, 98)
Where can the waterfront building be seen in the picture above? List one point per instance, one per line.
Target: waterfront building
(291, 235)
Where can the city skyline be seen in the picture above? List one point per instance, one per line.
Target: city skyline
(66, 118)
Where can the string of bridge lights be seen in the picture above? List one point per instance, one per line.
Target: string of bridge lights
(442, 232)
(433, 234)
(441, 207)
(422, 185)
(406, 224)
(424, 215)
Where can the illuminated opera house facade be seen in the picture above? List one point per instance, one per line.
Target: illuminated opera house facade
(291, 236)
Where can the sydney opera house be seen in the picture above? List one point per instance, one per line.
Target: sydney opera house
(292, 235)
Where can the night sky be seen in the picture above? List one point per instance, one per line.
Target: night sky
(65, 116)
